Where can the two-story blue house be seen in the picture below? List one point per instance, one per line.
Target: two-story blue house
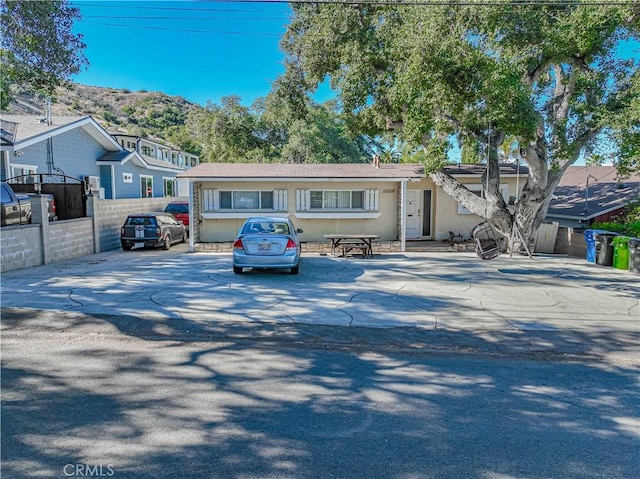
(78, 146)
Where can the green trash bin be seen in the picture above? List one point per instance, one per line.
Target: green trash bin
(634, 255)
(621, 252)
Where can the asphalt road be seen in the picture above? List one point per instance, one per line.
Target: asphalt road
(95, 394)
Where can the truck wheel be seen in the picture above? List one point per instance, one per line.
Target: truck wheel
(126, 247)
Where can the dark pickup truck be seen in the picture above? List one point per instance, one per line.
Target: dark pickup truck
(16, 208)
(51, 204)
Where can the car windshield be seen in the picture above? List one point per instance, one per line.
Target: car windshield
(262, 227)
(177, 208)
(140, 221)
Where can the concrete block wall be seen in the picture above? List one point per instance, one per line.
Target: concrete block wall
(44, 242)
(69, 239)
(20, 246)
(111, 214)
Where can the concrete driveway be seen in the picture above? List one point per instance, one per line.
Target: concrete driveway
(445, 291)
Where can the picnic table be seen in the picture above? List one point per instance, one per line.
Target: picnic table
(349, 242)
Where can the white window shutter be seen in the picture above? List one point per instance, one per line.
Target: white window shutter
(208, 199)
(303, 199)
(280, 200)
(371, 200)
(298, 200)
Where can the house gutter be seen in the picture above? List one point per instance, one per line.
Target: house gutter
(192, 241)
(297, 179)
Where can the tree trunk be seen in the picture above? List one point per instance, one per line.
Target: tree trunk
(527, 214)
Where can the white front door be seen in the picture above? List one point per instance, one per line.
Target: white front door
(414, 217)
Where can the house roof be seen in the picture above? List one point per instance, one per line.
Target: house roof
(121, 157)
(606, 193)
(7, 132)
(25, 130)
(114, 156)
(332, 171)
(506, 169)
(292, 172)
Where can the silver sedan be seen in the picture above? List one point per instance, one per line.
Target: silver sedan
(267, 242)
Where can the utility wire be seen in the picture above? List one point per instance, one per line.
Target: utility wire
(185, 30)
(121, 17)
(448, 3)
(409, 3)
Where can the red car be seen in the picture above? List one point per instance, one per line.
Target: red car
(180, 210)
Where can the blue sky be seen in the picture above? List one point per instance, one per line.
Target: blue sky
(198, 50)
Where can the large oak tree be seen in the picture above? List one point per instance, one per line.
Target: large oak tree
(428, 75)
(39, 50)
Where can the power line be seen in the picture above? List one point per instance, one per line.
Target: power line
(433, 3)
(178, 9)
(121, 17)
(446, 3)
(185, 30)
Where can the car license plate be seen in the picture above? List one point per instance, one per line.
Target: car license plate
(264, 247)
(139, 245)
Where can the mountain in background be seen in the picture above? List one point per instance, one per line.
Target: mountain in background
(152, 115)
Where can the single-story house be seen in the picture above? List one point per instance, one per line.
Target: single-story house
(589, 194)
(397, 202)
(77, 146)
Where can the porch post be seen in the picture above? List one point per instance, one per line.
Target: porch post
(192, 214)
(403, 215)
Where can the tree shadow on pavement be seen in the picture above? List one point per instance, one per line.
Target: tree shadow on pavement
(303, 401)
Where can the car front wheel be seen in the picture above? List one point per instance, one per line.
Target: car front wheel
(237, 270)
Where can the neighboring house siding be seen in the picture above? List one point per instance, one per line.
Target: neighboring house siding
(128, 190)
(105, 181)
(132, 190)
(75, 152)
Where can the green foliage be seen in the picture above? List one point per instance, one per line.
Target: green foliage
(470, 151)
(109, 116)
(626, 229)
(270, 131)
(39, 48)
(627, 224)
(632, 211)
(625, 129)
(530, 72)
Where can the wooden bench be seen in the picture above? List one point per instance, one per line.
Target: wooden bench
(350, 241)
(348, 246)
